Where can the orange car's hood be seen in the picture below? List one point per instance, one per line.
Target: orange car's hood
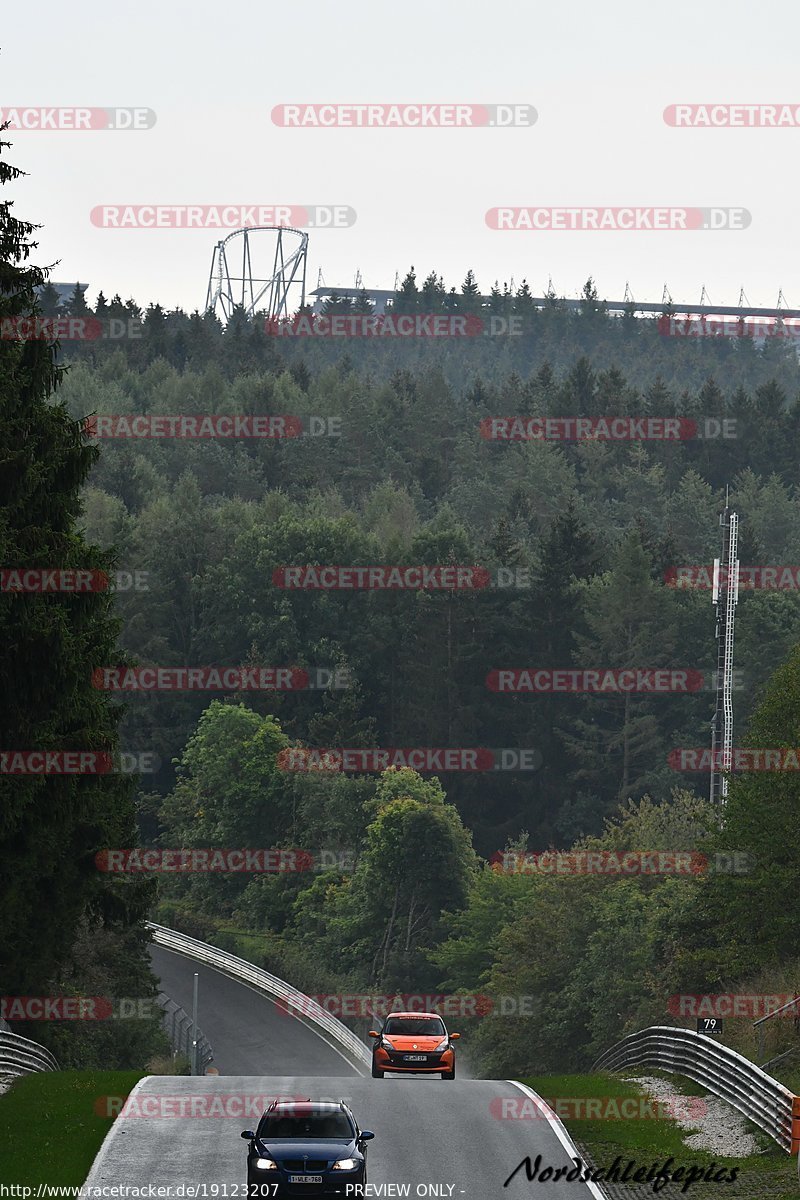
(413, 1043)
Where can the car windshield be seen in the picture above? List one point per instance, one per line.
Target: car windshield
(280, 1126)
(414, 1027)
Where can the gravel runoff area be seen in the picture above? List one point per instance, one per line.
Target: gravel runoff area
(719, 1131)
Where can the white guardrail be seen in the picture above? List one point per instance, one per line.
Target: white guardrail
(748, 1089)
(20, 1056)
(307, 1010)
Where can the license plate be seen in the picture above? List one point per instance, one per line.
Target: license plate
(416, 1057)
(305, 1179)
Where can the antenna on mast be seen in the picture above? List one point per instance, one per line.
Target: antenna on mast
(725, 597)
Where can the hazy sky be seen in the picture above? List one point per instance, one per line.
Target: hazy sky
(598, 75)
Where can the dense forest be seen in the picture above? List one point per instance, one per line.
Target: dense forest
(579, 541)
(590, 529)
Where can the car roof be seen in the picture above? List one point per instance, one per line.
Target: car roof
(423, 1016)
(306, 1107)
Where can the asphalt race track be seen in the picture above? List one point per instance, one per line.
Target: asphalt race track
(437, 1138)
(248, 1033)
(427, 1132)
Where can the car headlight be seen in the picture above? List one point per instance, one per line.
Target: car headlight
(386, 1045)
(266, 1164)
(345, 1164)
(442, 1046)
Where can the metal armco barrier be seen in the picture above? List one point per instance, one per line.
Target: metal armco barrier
(725, 1073)
(20, 1056)
(177, 1025)
(307, 1010)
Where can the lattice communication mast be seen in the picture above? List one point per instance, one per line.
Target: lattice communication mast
(725, 596)
(272, 292)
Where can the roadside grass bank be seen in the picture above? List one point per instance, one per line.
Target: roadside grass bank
(49, 1129)
(654, 1139)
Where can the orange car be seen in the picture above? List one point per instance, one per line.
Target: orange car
(414, 1042)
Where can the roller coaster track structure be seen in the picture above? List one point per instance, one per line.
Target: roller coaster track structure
(276, 293)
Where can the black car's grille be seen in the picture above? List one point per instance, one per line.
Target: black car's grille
(312, 1165)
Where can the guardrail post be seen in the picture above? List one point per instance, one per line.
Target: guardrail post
(194, 1023)
(182, 1041)
(795, 1125)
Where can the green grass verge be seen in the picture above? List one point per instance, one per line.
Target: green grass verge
(49, 1130)
(772, 1173)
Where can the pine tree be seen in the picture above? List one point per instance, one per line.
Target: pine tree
(433, 294)
(51, 826)
(76, 304)
(116, 309)
(50, 301)
(362, 303)
(496, 299)
(577, 395)
(407, 298)
(470, 301)
(631, 623)
(334, 303)
(523, 300)
(590, 303)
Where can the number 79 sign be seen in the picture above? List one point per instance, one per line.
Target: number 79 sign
(710, 1025)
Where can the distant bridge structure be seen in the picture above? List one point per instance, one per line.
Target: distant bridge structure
(380, 297)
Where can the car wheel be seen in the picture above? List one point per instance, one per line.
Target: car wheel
(376, 1074)
(449, 1074)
